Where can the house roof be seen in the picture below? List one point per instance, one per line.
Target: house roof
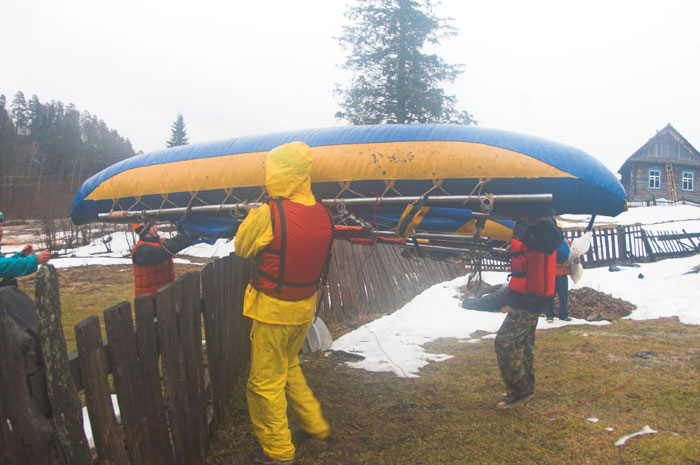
(668, 130)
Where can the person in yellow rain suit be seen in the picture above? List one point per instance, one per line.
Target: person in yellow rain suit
(291, 236)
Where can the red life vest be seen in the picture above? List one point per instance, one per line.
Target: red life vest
(292, 264)
(149, 278)
(563, 269)
(532, 271)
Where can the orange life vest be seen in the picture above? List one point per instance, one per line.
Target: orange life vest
(532, 272)
(563, 269)
(292, 264)
(149, 278)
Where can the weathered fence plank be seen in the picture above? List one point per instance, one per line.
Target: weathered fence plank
(134, 391)
(229, 323)
(66, 409)
(334, 304)
(647, 244)
(190, 314)
(147, 346)
(240, 275)
(109, 441)
(173, 376)
(26, 436)
(181, 350)
(214, 328)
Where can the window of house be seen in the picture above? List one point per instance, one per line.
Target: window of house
(688, 181)
(654, 179)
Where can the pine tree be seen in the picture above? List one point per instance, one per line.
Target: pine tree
(20, 113)
(178, 133)
(7, 137)
(394, 80)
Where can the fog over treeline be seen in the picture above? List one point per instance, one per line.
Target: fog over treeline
(48, 149)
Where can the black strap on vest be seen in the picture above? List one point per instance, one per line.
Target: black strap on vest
(283, 245)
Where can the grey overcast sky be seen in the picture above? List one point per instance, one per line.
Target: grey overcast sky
(601, 75)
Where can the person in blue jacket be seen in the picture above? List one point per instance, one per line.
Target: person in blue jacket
(561, 285)
(20, 264)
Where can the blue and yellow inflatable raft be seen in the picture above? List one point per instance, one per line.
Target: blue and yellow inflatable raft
(367, 161)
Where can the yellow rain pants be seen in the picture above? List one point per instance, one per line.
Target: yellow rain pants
(275, 378)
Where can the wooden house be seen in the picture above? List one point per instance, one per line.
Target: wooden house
(666, 167)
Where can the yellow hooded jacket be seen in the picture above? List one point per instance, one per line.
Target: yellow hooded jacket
(288, 175)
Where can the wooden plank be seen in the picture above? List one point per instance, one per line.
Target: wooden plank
(393, 279)
(591, 254)
(229, 324)
(191, 321)
(242, 270)
(412, 275)
(137, 413)
(621, 242)
(177, 328)
(226, 333)
(403, 278)
(647, 244)
(236, 284)
(212, 296)
(634, 239)
(62, 393)
(345, 281)
(370, 278)
(608, 240)
(690, 238)
(392, 292)
(109, 441)
(26, 436)
(382, 291)
(173, 374)
(233, 285)
(333, 288)
(670, 245)
(359, 273)
(151, 390)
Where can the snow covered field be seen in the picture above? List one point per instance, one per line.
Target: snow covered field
(394, 343)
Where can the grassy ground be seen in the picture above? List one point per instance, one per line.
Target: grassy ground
(90, 290)
(447, 417)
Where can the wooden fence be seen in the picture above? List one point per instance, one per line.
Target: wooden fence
(365, 280)
(624, 244)
(169, 398)
(170, 391)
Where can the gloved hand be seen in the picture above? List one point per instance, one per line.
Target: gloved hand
(27, 250)
(43, 257)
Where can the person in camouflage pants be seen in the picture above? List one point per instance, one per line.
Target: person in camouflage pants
(515, 344)
(529, 290)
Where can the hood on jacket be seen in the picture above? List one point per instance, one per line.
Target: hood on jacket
(288, 172)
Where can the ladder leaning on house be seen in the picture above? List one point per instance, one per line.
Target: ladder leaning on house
(671, 182)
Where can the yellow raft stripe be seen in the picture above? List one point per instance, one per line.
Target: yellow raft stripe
(351, 162)
(492, 229)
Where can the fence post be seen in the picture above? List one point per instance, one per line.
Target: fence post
(647, 245)
(621, 242)
(63, 396)
(26, 436)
